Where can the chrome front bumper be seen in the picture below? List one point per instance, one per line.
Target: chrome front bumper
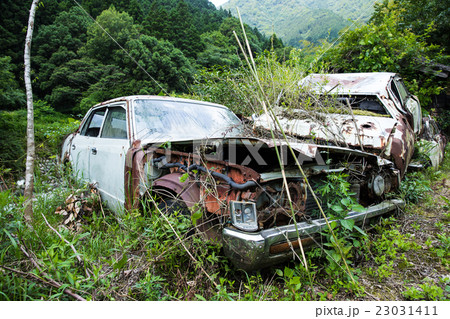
(253, 250)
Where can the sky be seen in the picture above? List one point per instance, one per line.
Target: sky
(218, 2)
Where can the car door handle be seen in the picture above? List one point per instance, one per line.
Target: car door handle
(94, 151)
(73, 147)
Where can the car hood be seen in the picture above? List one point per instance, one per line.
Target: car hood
(371, 132)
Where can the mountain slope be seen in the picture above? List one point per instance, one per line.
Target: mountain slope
(296, 20)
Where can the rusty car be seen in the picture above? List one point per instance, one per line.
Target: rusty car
(256, 193)
(372, 112)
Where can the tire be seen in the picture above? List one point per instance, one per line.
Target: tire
(173, 206)
(176, 207)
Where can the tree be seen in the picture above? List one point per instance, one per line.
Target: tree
(232, 24)
(183, 33)
(429, 18)
(103, 42)
(13, 17)
(384, 47)
(157, 22)
(72, 81)
(218, 51)
(31, 153)
(164, 63)
(11, 97)
(55, 45)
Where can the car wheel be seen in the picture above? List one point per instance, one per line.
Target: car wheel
(176, 207)
(173, 206)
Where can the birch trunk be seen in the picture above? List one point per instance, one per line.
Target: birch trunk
(31, 153)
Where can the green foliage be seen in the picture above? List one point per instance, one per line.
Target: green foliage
(93, 75)
(336, 193)
(237, 88)
(134, 256)
(137, 256)
(443, 249)
(99, 45)
(50, 128)
(225, 86)
(297, 20)
(295, 281)
(444, 121)
(77, 64)
(13, 18)
(183, 33)
(343, 238)
(387, 249)
(425, 291)
(232, 25)
(11, 97)
(414, 187)
(219, 51)
(12, 139)
(54, 47)
(419, 16)
(383, 46)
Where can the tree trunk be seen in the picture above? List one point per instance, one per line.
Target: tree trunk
(31, 152)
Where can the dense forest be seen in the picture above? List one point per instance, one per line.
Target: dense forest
(88, 51)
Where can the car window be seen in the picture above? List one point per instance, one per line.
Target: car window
(178, 120)
(395, 91)
(364, 103)
(94, 123)
(115, 124)
(400, 90)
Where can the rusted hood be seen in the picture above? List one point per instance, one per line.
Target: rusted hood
(372, 132)
(346, 83)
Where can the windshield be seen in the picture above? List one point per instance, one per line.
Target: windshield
(162, 121)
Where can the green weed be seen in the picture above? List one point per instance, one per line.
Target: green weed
(425, 291)
(414, 187)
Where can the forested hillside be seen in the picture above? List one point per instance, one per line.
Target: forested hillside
(298, 20)
(87, 51)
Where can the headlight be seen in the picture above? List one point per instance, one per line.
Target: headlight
(377, 185)
(243, 216)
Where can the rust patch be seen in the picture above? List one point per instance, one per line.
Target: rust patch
(195, 188)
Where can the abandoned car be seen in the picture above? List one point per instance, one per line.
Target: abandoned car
(372, 112)
(257, 194)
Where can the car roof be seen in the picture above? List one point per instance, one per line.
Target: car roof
(158, 98)
(373, 83)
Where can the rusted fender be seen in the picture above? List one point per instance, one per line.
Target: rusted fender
(136, 158)
(188, 191)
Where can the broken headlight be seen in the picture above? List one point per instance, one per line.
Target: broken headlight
(243, 215)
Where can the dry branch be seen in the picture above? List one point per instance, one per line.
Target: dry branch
(50, 282)
(68, 243)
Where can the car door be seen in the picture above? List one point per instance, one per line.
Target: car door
(80, 147)
(107, 156)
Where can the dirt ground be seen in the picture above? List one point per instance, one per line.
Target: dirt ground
(421, 227)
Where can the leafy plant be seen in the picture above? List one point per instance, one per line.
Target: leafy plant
(425, 291)
(338, 197)
(414, 187)
(384, 45)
